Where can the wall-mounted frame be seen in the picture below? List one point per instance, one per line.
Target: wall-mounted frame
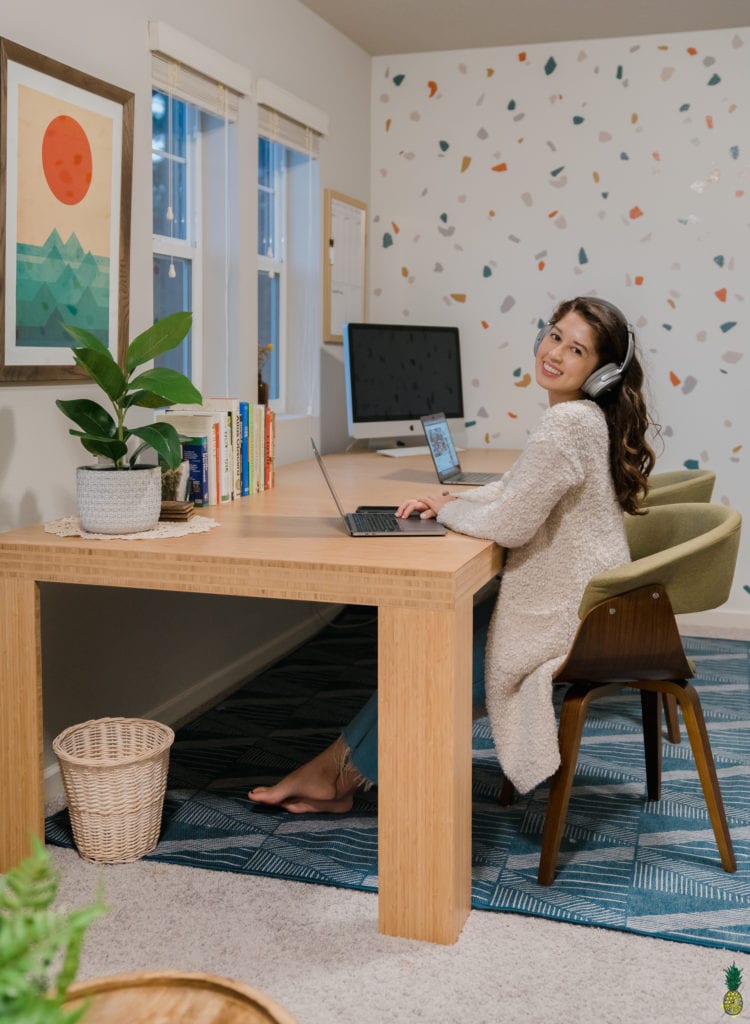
(66, 156)
(344, 263)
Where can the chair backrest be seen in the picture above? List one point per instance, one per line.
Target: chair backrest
(679, 485)
(626, 637)
(690, 549)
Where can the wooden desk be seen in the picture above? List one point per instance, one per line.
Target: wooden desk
(289, 543)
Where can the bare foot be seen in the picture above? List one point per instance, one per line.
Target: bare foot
(326, 784)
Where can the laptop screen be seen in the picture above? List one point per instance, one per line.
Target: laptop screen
(441, 444)
(327, 479)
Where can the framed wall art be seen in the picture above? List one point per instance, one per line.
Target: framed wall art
(66, 153)
(344, 263)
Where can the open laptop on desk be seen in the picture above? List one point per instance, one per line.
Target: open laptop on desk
(443, 452)
(378, 524)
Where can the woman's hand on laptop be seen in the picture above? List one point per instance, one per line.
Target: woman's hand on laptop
(425, 508)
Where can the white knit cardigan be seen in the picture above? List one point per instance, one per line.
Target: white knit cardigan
(556, 513)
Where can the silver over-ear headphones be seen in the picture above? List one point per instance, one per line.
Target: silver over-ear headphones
(609, 375)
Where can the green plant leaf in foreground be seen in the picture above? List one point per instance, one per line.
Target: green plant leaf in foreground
(39, 946)
(102, 370)
(162, 336)
(169, 383)
(85, 339)
(146, 400)
(32, 884)
(89, 416)
(163, 438)
(106, 436)
(114, 449)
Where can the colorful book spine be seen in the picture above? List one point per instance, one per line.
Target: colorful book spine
(244, 452)
(270, 446)
(237, 450)
(227, 461)
(199, 424)
(259, 448)
(240, 447)
(195, 451)
(217, 461)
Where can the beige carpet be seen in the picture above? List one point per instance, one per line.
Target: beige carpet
(316, 950)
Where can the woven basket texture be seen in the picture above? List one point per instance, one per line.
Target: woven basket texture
(114, 771)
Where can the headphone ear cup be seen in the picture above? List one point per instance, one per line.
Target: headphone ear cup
(601, 380)
(543, 332)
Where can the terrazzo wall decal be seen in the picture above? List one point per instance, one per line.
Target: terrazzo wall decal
(617, 169)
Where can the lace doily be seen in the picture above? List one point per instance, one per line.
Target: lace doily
(69, 526)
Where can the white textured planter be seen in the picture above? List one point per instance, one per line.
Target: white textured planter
(118, 500)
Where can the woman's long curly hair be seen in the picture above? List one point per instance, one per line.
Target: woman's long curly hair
(631, 457)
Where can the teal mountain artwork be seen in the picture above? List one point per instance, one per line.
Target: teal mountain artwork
(57, 284)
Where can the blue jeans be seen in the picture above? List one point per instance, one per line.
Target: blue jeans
(361, 734)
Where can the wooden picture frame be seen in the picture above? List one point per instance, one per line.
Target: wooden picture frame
(66, 167)
(344, 263)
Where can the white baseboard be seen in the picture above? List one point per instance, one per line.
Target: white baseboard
(724, 625)
(186, 704)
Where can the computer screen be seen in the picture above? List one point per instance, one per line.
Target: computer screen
(396, 373)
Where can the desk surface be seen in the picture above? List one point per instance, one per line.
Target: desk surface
(290, 543)
(294, 526)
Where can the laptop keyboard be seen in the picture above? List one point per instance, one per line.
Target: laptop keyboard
(476, 478)
(370, 522)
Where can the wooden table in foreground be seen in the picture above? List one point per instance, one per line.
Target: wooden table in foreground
(289, 543)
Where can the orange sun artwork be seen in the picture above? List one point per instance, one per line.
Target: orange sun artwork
(66, 159)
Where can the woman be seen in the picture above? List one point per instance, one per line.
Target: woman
(558, 512)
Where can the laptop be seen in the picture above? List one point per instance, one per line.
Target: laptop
(443, 452)
(379, 523)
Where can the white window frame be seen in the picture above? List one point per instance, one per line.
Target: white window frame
(298, 126)
(276, 264)
(190, 248)
(213, 83)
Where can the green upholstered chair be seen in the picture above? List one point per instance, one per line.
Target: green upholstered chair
(683, 561)
(670, 488)
(680, 485)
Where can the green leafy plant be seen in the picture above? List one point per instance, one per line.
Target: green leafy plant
(40, 947)
(104, 434)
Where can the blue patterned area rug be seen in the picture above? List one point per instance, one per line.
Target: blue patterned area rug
(626, 863)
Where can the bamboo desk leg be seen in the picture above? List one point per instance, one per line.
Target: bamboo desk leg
(21, 782)
(424, 772)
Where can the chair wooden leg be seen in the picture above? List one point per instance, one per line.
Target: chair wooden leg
(651, 713)
(670, 717)
(695, 726)
(572, 718)
(573, 713)
(507, 793)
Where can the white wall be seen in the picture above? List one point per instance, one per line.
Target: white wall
(282, 41)
(507, 179)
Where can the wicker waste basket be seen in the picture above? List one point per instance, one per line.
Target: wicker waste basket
(114, 772)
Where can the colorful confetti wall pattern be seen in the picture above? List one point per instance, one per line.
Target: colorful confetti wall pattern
(505, 180)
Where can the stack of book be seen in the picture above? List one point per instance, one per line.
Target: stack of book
(230, 446)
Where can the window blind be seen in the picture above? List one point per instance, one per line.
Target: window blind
(185, 83)
(284, 118)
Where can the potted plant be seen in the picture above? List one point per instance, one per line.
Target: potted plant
(119, 495)
(40, 947)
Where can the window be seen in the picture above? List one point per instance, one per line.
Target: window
(175, 163)
(195, 104)
(288, 255)
(272, 180)
(289, 286)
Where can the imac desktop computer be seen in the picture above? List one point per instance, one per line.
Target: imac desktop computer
(395, 374)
